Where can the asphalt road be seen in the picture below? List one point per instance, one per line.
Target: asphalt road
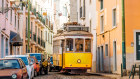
(58, 75)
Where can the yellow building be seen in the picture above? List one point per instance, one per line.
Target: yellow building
(109, 34)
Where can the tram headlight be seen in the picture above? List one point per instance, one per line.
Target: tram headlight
(78, 61)
(14, 76)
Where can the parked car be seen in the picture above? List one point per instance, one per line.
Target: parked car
(28, 63)
(12, 68)
(42, 60)
(36, 65)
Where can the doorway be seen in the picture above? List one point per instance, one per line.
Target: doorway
(115, 56)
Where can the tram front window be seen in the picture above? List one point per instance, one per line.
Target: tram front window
(79, 45)
(87, 45)
(69, 45)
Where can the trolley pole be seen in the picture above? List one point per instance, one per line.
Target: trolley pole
(123, 36)
(28, 26)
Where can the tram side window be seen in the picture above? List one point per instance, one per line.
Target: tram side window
(69, 44)
(87, 45)
(79, 45)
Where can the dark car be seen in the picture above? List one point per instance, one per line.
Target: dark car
(42, 62)
(12, 68)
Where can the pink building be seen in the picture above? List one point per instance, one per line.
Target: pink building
(9, 28)
(14, 30)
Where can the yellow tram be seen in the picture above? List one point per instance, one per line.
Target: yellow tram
(72, 51)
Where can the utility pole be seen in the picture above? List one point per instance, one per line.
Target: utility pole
(28, 26)
(123, 36)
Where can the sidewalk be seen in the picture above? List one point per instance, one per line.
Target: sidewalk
(115, 76)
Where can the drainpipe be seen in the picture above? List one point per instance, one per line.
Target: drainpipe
(123, 36)
(28, 26)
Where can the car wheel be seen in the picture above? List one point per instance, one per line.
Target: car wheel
(46, 71)
(41, 71)
(38, 73)
(35, 73)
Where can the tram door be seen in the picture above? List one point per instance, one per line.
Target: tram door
(62, 48)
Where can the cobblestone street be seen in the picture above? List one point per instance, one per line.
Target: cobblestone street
(58, 75)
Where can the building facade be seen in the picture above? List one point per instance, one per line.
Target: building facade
(86, 14)
(109, 34)
(61, 12)
(14, 28)
(4, 29)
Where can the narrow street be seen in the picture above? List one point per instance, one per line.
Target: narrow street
(58, 75)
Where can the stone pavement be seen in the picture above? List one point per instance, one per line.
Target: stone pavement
(116, 76)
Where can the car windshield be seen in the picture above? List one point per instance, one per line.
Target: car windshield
(32, 60)
(24, 59)
(9, 64)
(38, 56)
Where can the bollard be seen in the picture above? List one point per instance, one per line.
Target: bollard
(134, 72)
(121, 71)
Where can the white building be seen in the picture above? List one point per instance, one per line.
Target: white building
(87, 16)
(61, 12)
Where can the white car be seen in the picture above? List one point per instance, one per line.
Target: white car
(29, 65)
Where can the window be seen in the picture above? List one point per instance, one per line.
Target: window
(41, 35)
(7, 12)
(26, 49)
(87, 45)
(18, 24)
(31, 28)
(69, 44)
(38, 32)
(2, 6)
(35, 29)
(26, 23)
(84, 7)
(31, 50)
(79, 44)
(6, 50)
(90, 25)
(46, 35)
(11, 16)
(102, 23)
(80, 3)
(15, 20)
(106, 50)
(114, 17)
(101, 5)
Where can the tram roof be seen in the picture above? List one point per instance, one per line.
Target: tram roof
(74, 33)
